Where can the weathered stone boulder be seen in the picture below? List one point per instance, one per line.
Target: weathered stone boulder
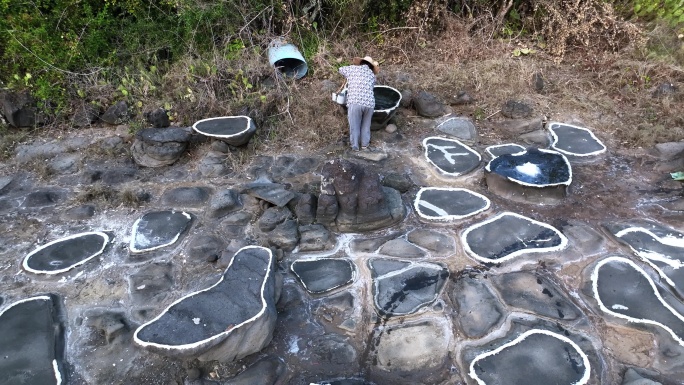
(428, 105)
(157, 147)
(353, 200)
(158, 118)
(516, 110)
(85, 114)
(116, 114)
(19, 109)
(228, 321)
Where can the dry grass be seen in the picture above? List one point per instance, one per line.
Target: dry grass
(109, 197)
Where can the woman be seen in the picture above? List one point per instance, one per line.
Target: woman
(360, 99)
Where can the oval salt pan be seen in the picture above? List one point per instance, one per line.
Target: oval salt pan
(64, 254)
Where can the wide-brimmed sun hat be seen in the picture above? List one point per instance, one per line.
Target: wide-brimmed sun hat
(367, 59)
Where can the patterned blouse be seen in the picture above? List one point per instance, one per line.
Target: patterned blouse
(360, 83)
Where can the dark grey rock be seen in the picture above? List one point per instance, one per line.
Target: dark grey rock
(274, 193)
(305, 210)
(399, 182)
(220, 146)
(401, 248)
(537, 138)
(85, 114)
(237, 218)
(412, 353)
(28, 152)
(65, 164)
(66, 253)
(186, 196)
(112, 176)
(459, 127)
(509, 235)
(223, 203)
(538, 82)
(152, 283)
(111, 143)
(405, 291)
(234, 130)
(521, 126)
(478, 309)
(334, 351)
(272, 217)
(44, 197)
(158, 229)
(436, 242)
(80, 212)
(19, 108)
(315, 238)
(535, 293)
(669, 150)
(157, 147)
(443, 204)
(158, 118)
(116, 114)
(632, 377)
(202, 247)
(462, 97)
(406, 98)
(228, 321)
(214, 164)
(267, 371)
(362, 203)
(285, 235)
(450, 156)
(370, 245)
(548, 358)
(575, 141)
(427, 105)
(286, 166)
(516, 110)
(324, 274)
(32, 342)
(665, 89)
(5, 182)
(326, 209)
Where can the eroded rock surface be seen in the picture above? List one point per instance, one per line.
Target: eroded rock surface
(232, 319)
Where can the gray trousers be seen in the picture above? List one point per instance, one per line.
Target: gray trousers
(359, 124)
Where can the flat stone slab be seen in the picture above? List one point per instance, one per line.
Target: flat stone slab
(504, 149)
(324, 274)
(535, 356)
(624, 290)
(509, 235)
(536, 294)
(534, 176)
(575, 141)
(450, 156)
(274, 193)
(445, 204)
(401, 248)
(478, 308)
(158, 229)
(227, 321)
(437, 243)
(459, 127)
(32, 343)
(412, 353)
(234, 130)
(66, 253)
(662, 250)
(533, 167)
(405, 288)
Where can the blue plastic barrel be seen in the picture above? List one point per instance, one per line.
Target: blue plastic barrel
(286, 58)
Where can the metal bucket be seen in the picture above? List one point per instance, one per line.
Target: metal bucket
(287, 59)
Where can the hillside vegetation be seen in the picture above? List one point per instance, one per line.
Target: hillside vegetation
(206, 58)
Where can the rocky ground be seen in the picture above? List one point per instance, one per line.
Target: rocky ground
(399, 265)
